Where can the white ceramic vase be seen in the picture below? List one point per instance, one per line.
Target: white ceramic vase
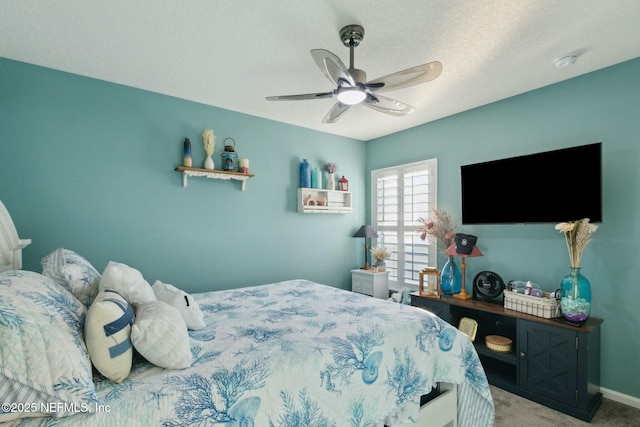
(208, 163)
(331, 182)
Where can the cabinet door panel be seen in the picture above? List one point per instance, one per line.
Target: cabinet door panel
(548, 359)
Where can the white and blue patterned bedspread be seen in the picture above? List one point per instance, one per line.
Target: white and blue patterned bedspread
(295, 354)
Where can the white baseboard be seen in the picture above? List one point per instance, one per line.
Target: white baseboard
(620, 397)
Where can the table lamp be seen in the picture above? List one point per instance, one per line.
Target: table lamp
(464, 253)
(367, 232)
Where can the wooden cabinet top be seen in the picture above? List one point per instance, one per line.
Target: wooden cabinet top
(497, 308)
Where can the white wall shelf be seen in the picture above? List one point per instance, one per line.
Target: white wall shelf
(213, 174)
(316, 200)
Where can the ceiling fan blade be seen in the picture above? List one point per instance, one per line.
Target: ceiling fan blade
(332, 67)
(335, 113)
(409, 77)
(388, 105)
(300, 97)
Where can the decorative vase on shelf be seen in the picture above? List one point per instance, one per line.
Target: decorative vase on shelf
(208, 163)
(305, 174)
(331, 181)
(316, 178)
(382, 266)
(575, 296)
(450, 278)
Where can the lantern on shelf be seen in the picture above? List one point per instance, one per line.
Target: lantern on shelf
(229, 155)
(433, 282)
(343, 184)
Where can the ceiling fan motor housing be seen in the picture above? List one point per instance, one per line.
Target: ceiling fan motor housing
(359, 76)
(351, 35)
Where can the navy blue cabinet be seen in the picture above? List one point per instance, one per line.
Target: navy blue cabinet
(551, 362)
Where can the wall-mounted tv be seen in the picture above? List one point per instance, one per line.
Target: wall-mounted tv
(548, 187)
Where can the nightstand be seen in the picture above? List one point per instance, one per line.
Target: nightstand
(370, 283)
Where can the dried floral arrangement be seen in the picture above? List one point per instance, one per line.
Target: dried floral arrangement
(380, 253)
(330, 167)
(209, 141)
(439, 225)
(577, 235)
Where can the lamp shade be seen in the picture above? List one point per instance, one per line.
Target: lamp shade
(366, 231)
(451, 250)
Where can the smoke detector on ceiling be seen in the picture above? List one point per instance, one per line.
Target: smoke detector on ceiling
(565, 61)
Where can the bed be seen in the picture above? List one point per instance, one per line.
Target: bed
(292, 353)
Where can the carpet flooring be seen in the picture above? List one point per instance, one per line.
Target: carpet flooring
(515, 411)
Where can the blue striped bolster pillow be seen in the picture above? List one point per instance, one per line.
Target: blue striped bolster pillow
(107, 331)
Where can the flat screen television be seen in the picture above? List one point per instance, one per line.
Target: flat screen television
(548, 187)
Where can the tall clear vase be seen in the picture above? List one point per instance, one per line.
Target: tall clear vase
(450, 277)
(575, 296)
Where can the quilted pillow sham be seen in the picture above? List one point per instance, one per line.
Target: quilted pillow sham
(73, 272)
(43, 358)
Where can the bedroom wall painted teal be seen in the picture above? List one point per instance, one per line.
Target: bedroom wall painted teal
(89, 165)
(601, 106)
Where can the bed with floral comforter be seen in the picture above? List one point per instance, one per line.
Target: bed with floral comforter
(294, 353)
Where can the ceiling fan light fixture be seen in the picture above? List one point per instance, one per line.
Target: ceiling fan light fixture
(351, 96)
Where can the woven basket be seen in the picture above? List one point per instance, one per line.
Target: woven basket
(541, 307)
(498, 344)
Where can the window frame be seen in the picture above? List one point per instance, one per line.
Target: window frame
(431, 165)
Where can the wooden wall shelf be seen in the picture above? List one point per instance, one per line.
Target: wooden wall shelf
(213, 174)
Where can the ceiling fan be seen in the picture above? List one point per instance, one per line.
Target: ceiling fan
(351, 83)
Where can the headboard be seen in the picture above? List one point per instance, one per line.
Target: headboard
(10, 244)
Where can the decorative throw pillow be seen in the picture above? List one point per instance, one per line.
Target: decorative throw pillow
(107, 332)
(43, 358)
(128, 282)
(73, 272)
(160, 336)
(186, 305)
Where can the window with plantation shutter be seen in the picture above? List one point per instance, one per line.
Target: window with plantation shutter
(401, 195)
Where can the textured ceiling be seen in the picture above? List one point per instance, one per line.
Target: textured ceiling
(233, 53)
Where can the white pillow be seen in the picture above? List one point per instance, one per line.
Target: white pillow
(160, 336)
(73, 272)
(128, 282)
(107, 332)
(186, 305)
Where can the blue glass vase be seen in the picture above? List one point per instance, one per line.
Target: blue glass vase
(450, 277)
(575, 296)
(305, 174)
